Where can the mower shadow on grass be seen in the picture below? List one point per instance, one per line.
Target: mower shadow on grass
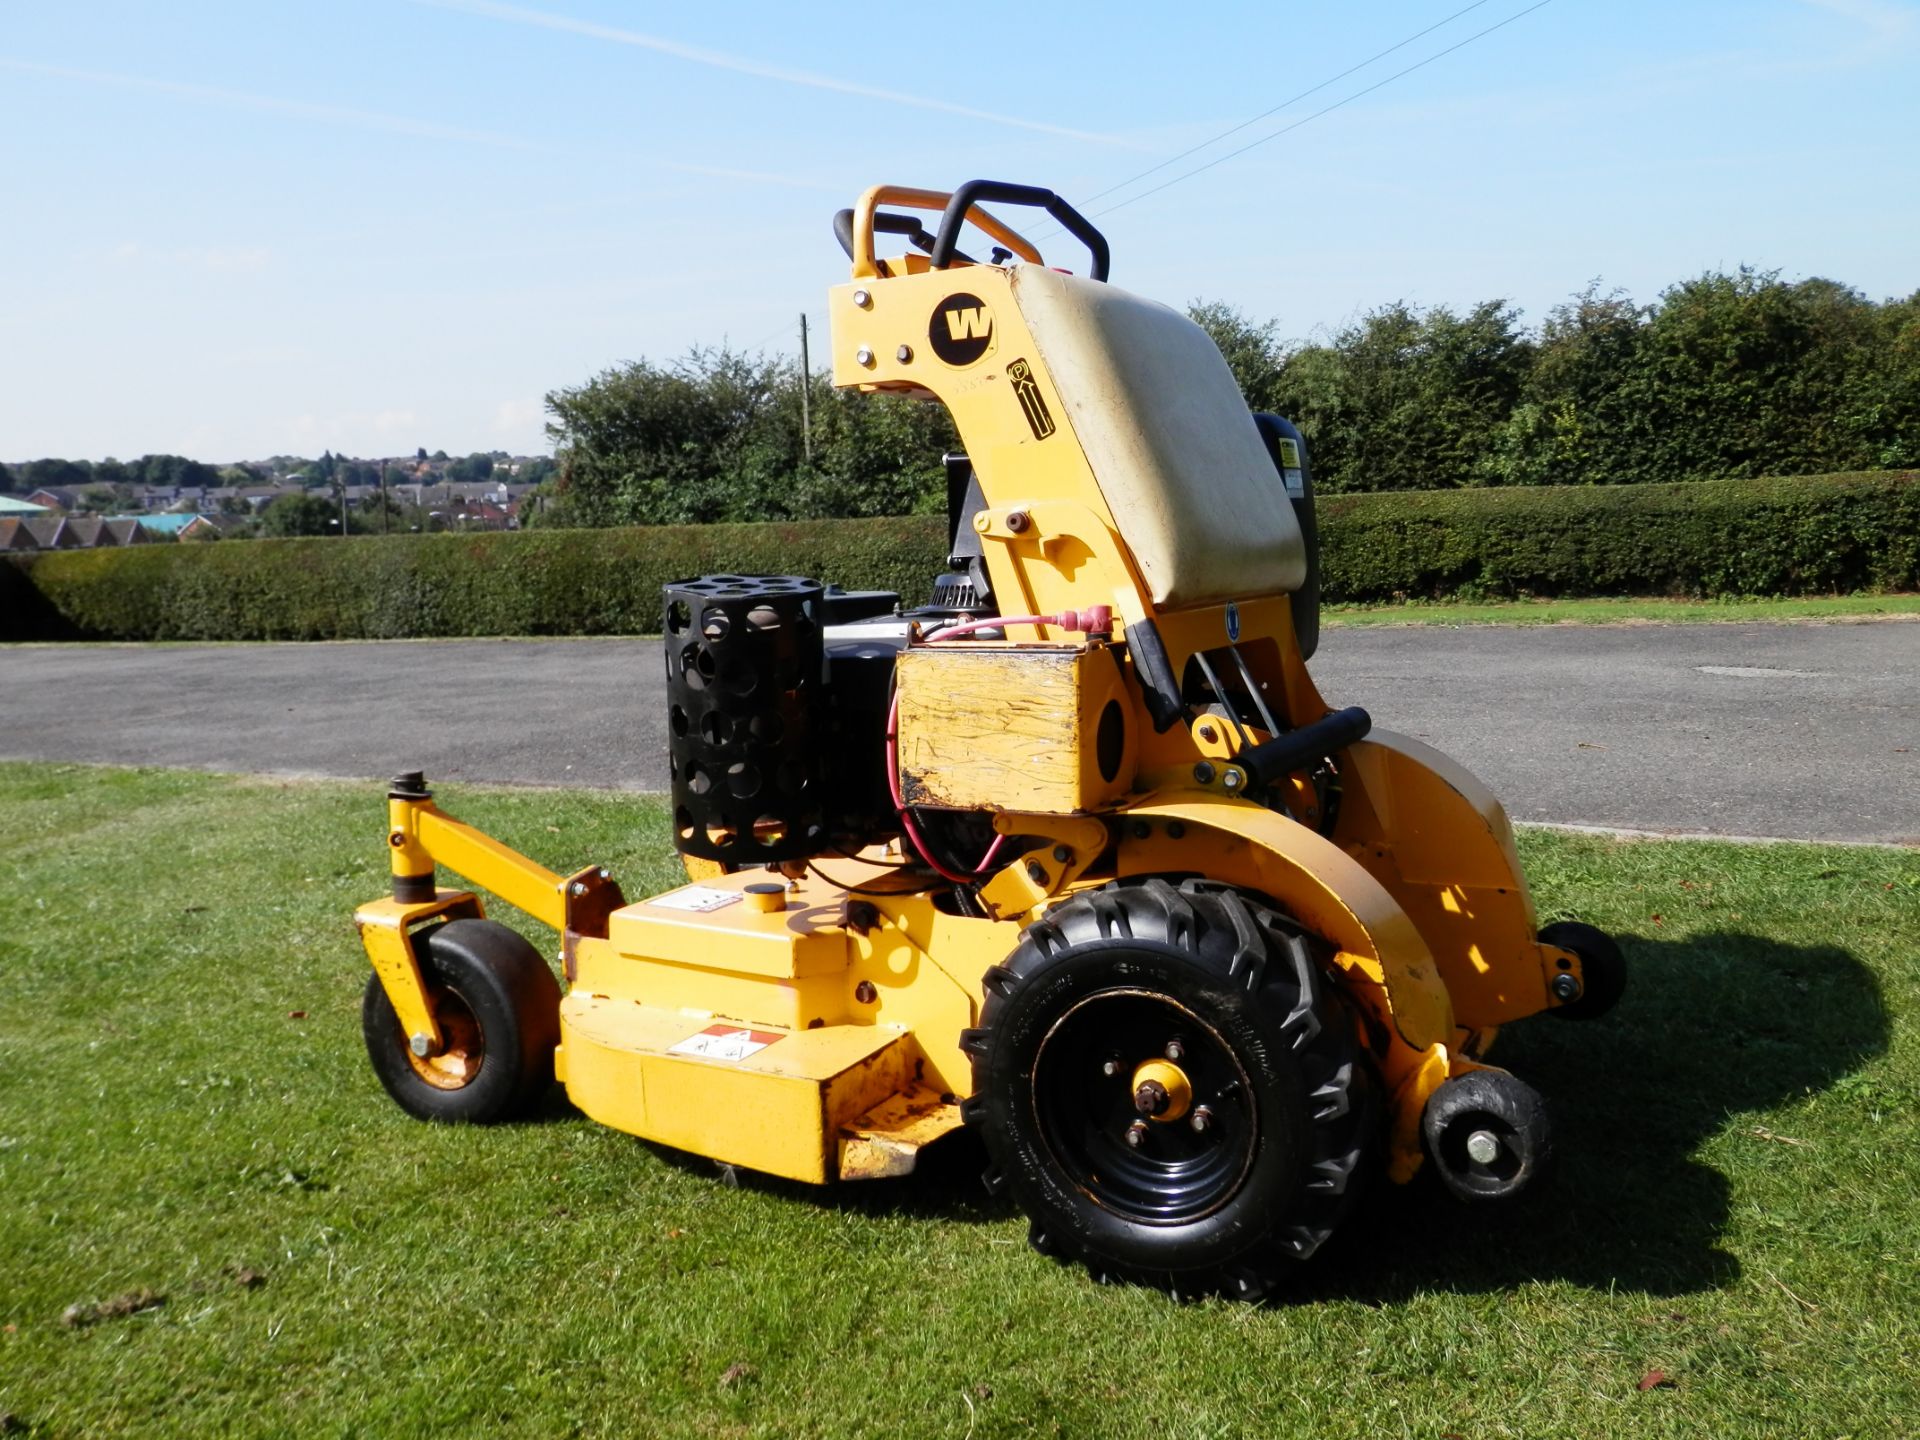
(1714, 1030)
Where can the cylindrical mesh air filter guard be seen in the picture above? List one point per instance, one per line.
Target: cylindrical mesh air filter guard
(745, 717)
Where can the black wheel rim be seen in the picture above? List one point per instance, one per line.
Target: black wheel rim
(1083, 1098)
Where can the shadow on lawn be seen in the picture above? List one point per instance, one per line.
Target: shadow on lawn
(1713, 1030)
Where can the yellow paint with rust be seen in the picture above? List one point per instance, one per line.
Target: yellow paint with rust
(1015, 727)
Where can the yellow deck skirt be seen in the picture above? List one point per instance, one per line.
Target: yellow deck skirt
(754, 1095)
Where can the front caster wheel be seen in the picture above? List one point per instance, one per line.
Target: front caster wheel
(498, 1008)
(1488, 1135)
(1170, 1089)
(1602, 965)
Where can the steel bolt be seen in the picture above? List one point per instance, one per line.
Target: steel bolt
(1203, 772)
(1209, 734)
(1036, 872)
(904, 354)
(397, 839)
(862, 299)
(1483, 1147)
(1136, 1132)
(579, 887)
(1142, 829)
(1231, 779)
(1176, 1052)
(1201, 1119)
(420, 1044)
(1062, 854)
(865, 992)
(601, 872)
(1111, 1067)
(1566, 987)
(864, 357)
(1151, 1098)
(1176, 829)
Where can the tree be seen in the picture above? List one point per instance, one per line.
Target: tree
(1254, 352)
(300, 514)
(49, 474)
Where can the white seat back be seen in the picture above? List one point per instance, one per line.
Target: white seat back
(1175, 452)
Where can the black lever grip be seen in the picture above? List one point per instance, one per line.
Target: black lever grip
(885, 222)
(1297, 749)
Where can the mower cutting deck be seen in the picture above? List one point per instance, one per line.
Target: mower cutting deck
(1077, 855)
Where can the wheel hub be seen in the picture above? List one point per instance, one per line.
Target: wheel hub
(1161, 1091)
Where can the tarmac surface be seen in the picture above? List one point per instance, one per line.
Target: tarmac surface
(1800, 731)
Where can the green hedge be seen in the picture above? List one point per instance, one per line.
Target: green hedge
(1801, 536)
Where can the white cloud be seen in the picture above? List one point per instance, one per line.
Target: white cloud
(1888, 22)
(744, 65)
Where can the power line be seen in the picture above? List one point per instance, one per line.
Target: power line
(1327, 110)
(1284, 104)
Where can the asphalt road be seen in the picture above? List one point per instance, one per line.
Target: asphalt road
(1801, 731)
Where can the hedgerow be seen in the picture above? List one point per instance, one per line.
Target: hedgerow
(1798, 536)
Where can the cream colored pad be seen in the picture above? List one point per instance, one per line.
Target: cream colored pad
(1170, 440)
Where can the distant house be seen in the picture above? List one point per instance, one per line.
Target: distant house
(63, 498)
(70, 532)
(18, 509)
(164, 527)
(200, 526)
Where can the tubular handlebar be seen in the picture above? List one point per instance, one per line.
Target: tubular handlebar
(1270, 759)
(975, 191)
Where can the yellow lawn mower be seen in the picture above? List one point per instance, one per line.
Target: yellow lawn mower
(1075, 855)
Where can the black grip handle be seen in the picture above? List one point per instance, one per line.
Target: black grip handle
(1003, 192)
(1297, 749)
(885, 222)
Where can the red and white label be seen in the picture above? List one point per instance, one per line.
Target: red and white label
(725, 1042)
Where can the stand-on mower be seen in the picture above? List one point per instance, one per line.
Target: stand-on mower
(1076, 855)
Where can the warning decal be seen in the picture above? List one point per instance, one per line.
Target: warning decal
(725, 1042)
(1031, 401)
(697, 898)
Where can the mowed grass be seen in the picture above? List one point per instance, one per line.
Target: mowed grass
(184, 1100)
(1627, 610)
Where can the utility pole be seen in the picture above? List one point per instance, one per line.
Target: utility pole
(806, 384)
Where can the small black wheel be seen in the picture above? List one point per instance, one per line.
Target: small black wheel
(1488, 1135)
(1603, 968)
(498, 1009)
(1170, 1089)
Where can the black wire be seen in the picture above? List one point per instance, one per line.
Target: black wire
(865, 890)
(1328, 110)
(1275, 110)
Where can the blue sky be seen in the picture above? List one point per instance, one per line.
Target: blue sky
(235, 230)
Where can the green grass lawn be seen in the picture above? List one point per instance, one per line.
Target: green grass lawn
(1625, 610)
(185, 1110)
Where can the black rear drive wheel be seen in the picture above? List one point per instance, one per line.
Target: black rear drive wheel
(1170, 1089)
(498, 1008)
(1603, 968)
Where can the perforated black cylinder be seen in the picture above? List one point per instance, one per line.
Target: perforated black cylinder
(746, 717)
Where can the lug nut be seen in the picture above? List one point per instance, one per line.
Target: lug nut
(1136, 1132)
(1176, 1052)
(420, 1043)
(1483, 1147)
(1202, 1118)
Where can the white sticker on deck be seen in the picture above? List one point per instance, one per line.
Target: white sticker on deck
(725, 1042)
(697, 898)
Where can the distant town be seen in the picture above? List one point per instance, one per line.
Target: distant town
(53, 504)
